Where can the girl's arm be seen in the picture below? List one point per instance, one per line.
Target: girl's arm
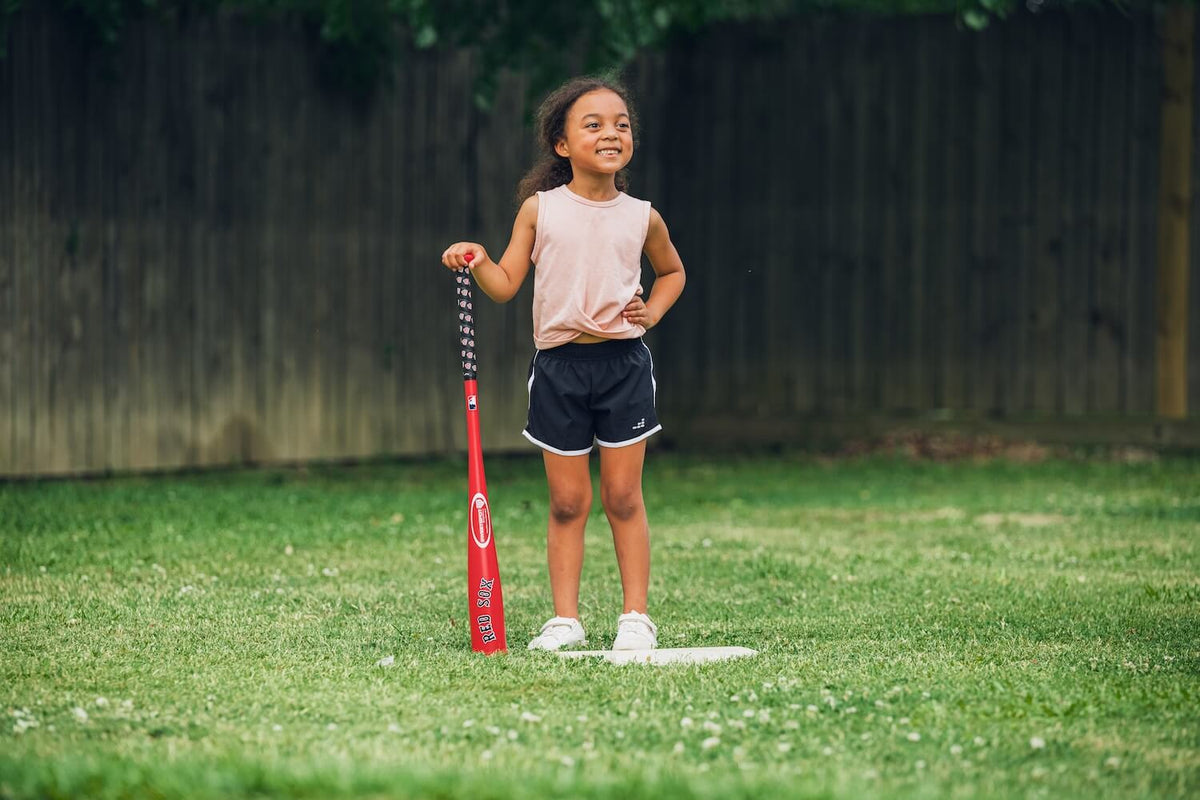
(500, 281)
(669, 280)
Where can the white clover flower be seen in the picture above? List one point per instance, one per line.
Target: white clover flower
(81, 716)
(711, 726)
(527, 716)
(677, 749)
(979, 741)
(710, 743)
(686, 722)
(1037, 743)
(101, 702)
(783, 747)
(914, 737)
(567, 761)
(956, 749)
(386, 661)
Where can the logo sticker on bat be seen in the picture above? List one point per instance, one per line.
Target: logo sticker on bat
(481, 520)
(472, 403)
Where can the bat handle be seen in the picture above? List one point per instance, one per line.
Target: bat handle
(466, 320)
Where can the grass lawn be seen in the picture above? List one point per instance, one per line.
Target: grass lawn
(926, 629)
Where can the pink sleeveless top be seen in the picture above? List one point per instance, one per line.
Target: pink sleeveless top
(588, 257)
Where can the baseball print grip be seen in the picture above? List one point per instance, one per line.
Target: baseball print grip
(466, 323)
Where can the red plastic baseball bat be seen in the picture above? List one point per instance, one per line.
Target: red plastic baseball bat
(483, 571)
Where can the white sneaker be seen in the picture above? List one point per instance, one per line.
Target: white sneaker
(558, 633)
(635, 631)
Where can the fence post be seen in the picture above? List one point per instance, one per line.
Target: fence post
(1174, 204)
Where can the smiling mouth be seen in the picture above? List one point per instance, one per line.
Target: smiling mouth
(609, 152)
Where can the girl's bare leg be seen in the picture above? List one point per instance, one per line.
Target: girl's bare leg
(621, 495)
(570, 484)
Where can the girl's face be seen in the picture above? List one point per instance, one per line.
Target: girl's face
(598, 136)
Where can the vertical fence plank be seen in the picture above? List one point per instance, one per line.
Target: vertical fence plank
(1106, 331)
(920, 377)
(1016, 209)
(831, 385)
(937, 271)
(1142, 153)
(962, 94)
(8, 251)
(1193, 319)
(1045, 392)
(1078, 267)
(802, 260)
(24, 268)
(897, 232)
(988, 283)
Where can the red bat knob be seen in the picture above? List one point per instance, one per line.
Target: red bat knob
(469, 257)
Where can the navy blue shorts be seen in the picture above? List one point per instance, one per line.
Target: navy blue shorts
(580, 393)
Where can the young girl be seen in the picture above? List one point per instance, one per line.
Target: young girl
(591, 377)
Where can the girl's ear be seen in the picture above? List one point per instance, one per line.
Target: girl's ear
(560, 147)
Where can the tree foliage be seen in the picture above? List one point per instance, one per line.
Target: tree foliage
(360, 41)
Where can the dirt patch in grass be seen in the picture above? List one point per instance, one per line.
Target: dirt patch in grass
(1024, 520)
(927, 446)
(981, 448)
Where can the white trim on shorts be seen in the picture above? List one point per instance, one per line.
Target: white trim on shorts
(555, 450)
(653, 382)
(628, 442)
(529, 383)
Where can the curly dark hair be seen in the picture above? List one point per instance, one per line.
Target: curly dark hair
(553, 170)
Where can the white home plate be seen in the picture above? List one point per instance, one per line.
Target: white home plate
(667, 655)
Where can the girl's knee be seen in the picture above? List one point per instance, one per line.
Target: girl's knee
(621, 502)
(570, 506)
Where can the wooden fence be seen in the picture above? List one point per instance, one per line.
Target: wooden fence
(206, 258)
